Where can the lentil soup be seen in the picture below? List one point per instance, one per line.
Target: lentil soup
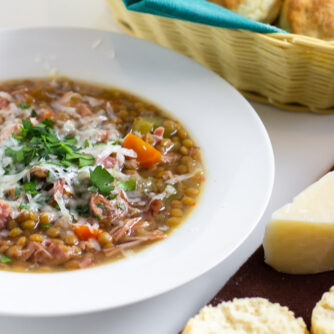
(87, 174)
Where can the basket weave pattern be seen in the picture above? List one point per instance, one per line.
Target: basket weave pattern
(291, 71)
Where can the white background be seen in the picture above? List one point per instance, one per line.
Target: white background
(303, 148)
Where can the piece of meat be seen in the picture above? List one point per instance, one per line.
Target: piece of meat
(39, 172)
(61, 188)
(130, 242)
(131, 163)
(103, 136)
(150, 236)
(4, 103)
(114, 250)
(170, 158)
(124, 230)
(155, 207)
(109, 211)
(8, 131)
(108, 162)
(193, 150)
(156, 137)
(159, 131)
(85, 262)
(49, 253)
(69, 99)
(20, 94)
(83, 110)
(5, 214)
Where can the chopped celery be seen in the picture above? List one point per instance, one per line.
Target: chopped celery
(146, 124)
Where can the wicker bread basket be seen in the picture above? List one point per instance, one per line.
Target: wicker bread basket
(290, 71)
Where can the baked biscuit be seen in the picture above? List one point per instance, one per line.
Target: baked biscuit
(247, 316)
(313, 18)
(259, 10)
(323, 314)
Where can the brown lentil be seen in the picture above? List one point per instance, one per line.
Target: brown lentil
(173, 221)
(176, 212)
(183, 150)
(13, 251)
(3, 248)
(21, 241)
(104, 238)
(192, 191)
(28, 224)
(182, 169)
(188, 200)
(176, 204)
(187, 143)
(53, 232)
(71, 239)
(186, 160)
(44, 218)
(182, 134)
(72, 264)
(36, 237)
(12, 224)
(16, 231)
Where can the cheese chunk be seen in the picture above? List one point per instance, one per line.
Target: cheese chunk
(323, 314)
(300, 236)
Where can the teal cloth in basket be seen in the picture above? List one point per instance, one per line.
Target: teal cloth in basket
(199, 11)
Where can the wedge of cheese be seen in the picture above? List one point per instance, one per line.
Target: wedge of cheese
(299, 239)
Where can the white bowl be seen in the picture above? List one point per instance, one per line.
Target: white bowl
(236, 150)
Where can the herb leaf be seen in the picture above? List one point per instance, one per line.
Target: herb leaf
(121, 206)
(30, 187)
(5, 259)
(101, 179)
(129, 185)
(24, 106)
(24, 206)
(41, 142)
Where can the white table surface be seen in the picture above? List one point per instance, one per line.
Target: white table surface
(303, 147)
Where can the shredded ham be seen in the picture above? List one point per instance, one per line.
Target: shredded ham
(109, 211)
(5, 213)
(8, 131)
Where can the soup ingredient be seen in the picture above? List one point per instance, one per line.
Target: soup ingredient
(299, 239)
(245, 315)
(147, 155)
(323, 314)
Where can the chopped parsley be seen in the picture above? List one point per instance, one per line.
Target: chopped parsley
(83, 210)
(41, 141)
(33, 113)
(30, 187)
(97, 217)
(121, 206)
(23, 105)
(5, 259)
(46, 226)
(24, 206)
(101, 179)
(129, 185)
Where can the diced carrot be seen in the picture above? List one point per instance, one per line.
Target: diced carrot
(46, 114)
(147, 155)
(85, 232)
